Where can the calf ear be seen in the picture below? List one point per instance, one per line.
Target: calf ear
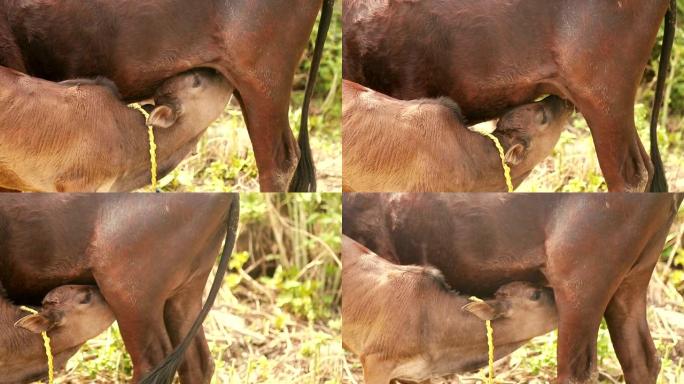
(162, 117)
(482, 310)
(515, 154)
(36, 323)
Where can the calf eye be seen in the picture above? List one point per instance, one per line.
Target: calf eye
(543, 119)
(86, 298)
(536, 295)
(196, 82)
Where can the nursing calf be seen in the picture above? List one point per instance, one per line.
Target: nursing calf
(404, 322)
(86, 139)
(70, 314)
(113, 241)
(424, 145)
(491, 55)
(483, 241)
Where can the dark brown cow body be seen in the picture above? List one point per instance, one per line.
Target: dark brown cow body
(255, 45)
(492, 55)
(596, 251)
(150, 256)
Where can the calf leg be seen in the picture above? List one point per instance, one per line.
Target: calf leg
(376, 371)
(179, 314)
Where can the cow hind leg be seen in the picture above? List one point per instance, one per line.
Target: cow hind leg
(626, 317)
(623, 160)
(580, 312)
(275, 149)
(143, 332)
(179, 314)
(629, 333)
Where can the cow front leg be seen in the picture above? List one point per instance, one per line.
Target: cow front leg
(623, 160)
(275, 149)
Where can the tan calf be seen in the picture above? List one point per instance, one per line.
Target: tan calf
(71, 315)
(406, 324)
(391, 145)
(86, 139)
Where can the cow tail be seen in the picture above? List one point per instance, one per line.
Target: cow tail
(304, 179)
(659, 183)
(166, 370)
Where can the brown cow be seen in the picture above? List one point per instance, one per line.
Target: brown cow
(597, 252)
(88, 140)
(491, 55)
(405, 323)
(150, 255)
(390, 145)
(71, 315)
(255, 45)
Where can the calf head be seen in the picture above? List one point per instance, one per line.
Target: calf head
(196, 97)
(78, 311)
(528, 133)
(519, 310)
(71, 315)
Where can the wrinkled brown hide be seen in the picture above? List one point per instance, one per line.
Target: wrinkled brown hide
(71, 315)
(150, 255)
(491, 55)
(87, 140)
(597, 252)
(405, 323)
(424, 146)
